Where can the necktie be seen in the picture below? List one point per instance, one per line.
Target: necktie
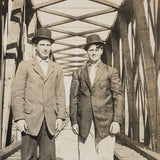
(92, 73)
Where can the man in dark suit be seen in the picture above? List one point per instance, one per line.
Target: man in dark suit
(38, 100)
(96, 104)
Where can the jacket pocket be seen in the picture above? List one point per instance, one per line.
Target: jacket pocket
(27, 110)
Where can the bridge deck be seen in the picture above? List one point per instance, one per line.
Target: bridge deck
(67, 148)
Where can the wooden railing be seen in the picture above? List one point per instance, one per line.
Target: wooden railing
(138, 147)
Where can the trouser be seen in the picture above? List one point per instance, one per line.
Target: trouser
(46, 144)
(104, 150)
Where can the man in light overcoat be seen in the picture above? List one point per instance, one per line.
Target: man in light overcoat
(96, 104)
(38, 100)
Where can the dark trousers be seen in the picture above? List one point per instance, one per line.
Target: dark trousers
(46, 144)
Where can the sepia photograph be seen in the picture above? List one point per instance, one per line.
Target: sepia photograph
(79, 79)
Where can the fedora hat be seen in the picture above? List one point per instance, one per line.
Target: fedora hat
(42, 33)
(93, 39)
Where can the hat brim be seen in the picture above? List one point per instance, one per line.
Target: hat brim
(97, 43)
(36, 39)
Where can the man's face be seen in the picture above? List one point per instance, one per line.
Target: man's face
(43, 48)
(94, 52)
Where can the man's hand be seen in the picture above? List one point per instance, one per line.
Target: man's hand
(75, 129)
(114, 128)
(21, 125)
(58, 124)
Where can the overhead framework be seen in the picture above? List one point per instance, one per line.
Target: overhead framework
(132, 47)
(71, 21)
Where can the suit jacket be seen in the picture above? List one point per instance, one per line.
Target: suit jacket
(103, 102)
(35, 97)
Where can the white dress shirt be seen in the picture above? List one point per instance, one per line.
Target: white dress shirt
(92, 73)
(43, 64)
(92, 68)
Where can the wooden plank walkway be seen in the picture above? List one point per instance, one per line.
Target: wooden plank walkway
(67, 148)
(125, 153)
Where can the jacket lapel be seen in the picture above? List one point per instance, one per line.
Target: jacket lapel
(99, 72)
(50, 69)
(86, 76)
(37, 68)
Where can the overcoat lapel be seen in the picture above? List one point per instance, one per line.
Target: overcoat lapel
(37, 68)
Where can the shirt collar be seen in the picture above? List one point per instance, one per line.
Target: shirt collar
(41, 60)
(96, 64)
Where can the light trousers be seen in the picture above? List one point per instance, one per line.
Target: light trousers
(104, 150)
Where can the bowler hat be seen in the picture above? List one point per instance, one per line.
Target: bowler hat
(93, 39)
(42, 33)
